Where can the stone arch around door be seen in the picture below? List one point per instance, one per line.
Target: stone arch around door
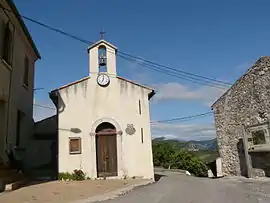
(108, 147)
(106, 120)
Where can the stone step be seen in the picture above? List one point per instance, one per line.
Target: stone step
(5, 167)
(12, 178)
(7, 172)
(12, 183)
(16, 184)
(2, 164)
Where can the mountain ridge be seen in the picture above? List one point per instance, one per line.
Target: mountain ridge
(194, 144)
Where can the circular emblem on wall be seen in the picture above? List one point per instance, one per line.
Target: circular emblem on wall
(130, 130)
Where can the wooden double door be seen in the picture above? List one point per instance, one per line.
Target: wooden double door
(106, 152)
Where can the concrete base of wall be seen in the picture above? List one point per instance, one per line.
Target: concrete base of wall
(215, 169)
(219, 167)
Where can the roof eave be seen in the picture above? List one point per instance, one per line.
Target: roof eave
(54, 96)
(217, 101)
(237, 81)
(17, 14)
(72, 83)
(135, 83)
(151, 94)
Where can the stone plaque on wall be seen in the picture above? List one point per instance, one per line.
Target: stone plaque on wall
(130, 130)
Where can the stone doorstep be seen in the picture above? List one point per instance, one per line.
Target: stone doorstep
(120, 178)
(15, 185)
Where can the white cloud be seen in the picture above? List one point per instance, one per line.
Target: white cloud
(184, 131)
(166, 136)
(177, 91)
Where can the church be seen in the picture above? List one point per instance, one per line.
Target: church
(104, 121)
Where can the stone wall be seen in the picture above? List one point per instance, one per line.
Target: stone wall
(247, 102)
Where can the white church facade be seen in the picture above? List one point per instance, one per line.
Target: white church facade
(104, 121)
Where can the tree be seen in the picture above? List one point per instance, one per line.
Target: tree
(190, 162)
(163, 154)
(168, 156)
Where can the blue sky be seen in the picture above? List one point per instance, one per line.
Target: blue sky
(218, 39)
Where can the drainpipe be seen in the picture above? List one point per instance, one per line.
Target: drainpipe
(9, 95)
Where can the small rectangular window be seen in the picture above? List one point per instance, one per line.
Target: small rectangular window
(258, 137)
(26, 72)
(140, 108)
(18, 127)
(7, 49)
(142, 135)
(75, 145)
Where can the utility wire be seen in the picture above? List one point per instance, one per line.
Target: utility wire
(199, 77)
(153, 122)
(43, 106)
(57, 30)
(179, 76)
(182, 118)
(176, 70)
(144, 62)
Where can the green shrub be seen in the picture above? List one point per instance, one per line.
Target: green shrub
(167, 156)
(76, 175)
(65, 176)
(79, 175)
(190, 162)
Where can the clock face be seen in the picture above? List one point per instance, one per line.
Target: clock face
(103, 80)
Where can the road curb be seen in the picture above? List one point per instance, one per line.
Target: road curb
(160, 170)
(114, 194)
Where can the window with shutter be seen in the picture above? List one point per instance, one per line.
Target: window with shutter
(20, 115)
(258, 137)
(140, 107)
(75, 145)
(26, 72)
(142, 135)
(7, 49)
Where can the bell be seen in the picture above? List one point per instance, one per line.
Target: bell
(102, 60)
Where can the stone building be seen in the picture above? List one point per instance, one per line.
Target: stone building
(104, 122)
(18, 55)
(241, 119)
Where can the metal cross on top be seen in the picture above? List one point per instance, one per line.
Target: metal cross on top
(102, 33)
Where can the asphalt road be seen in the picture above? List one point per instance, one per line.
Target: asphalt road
(180, 188)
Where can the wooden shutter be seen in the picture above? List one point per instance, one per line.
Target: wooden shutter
(75, 145)
(26, 72)
(7, 48)
(2, 36)
(18, 127)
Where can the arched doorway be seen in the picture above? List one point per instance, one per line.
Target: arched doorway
(106, 150)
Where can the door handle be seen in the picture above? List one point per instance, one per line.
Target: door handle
(105, 158)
